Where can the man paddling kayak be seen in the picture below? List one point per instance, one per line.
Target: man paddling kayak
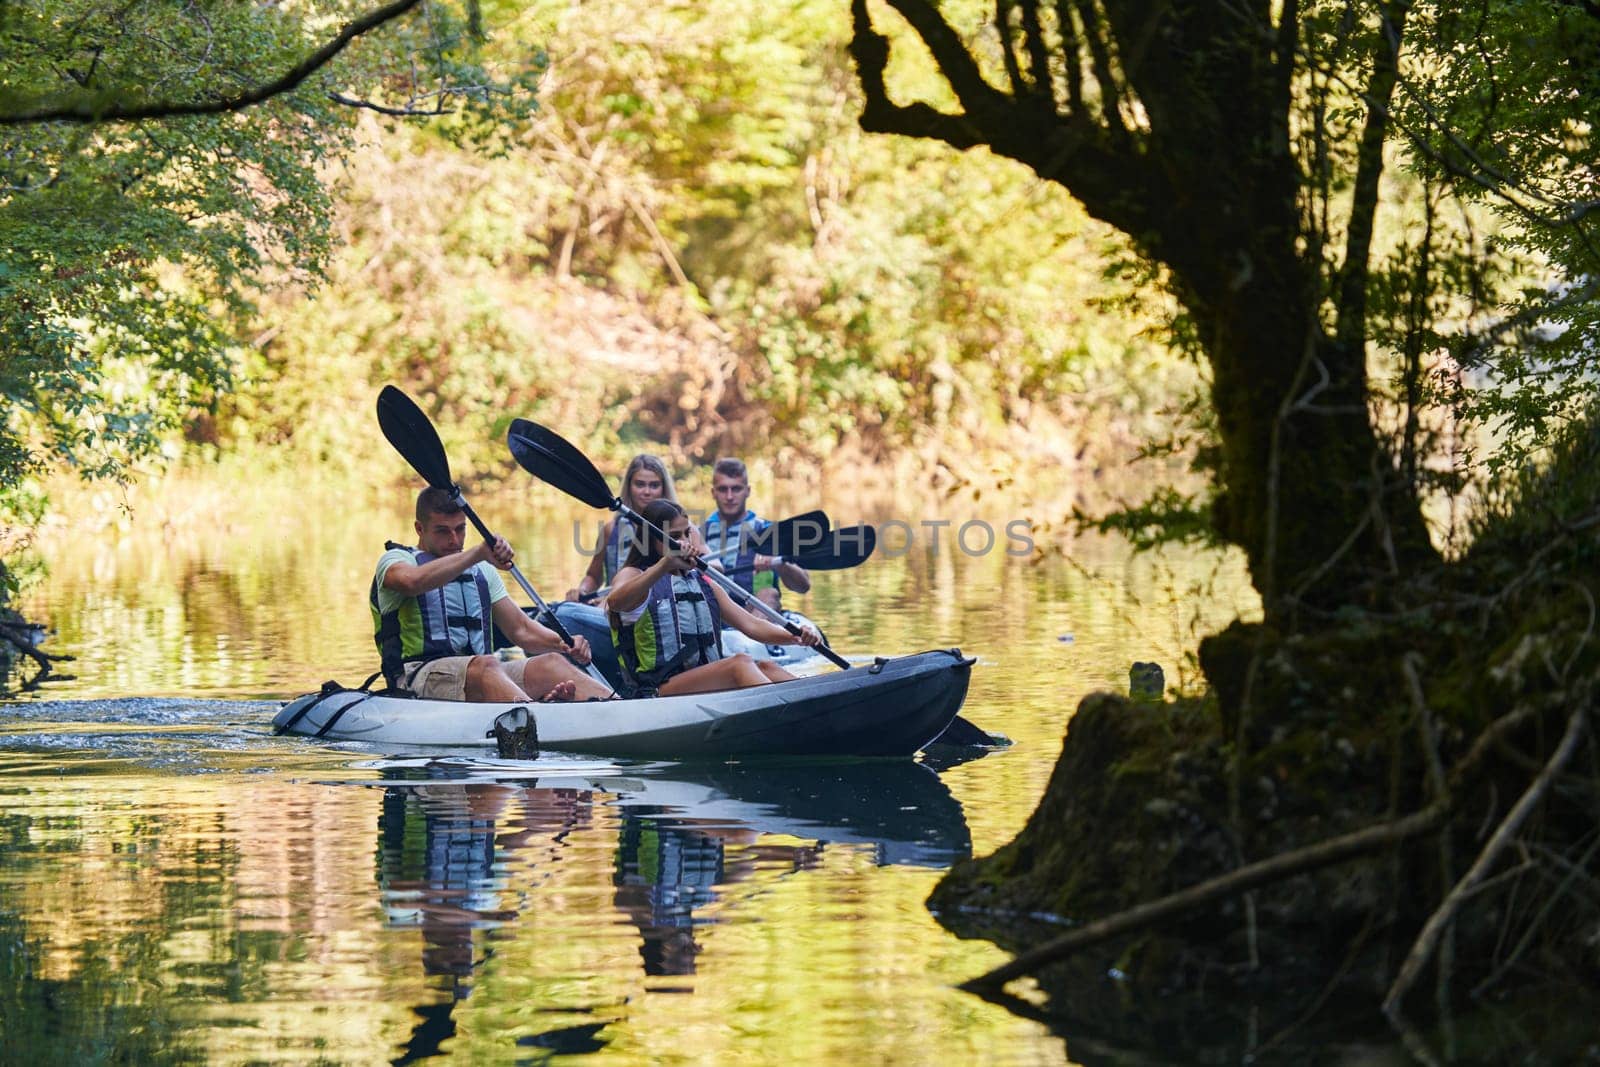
(434, 609)
(666, 618)
(727, 533)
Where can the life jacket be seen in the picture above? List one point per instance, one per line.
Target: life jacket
(680, 628)
(419, 628)
(618, 545)
(728, 544)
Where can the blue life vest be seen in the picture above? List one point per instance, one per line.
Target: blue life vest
(419, 628)
(618, 545)
(728, 544)
(680, 628)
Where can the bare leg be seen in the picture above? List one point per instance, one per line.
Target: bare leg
(542, 674)
(773, 672)
(769, 597)
(488, 680)
(738, 671)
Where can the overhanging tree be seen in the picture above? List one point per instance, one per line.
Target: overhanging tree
(159, 164)
(1244, 147)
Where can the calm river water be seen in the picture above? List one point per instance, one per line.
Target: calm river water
(178, 885)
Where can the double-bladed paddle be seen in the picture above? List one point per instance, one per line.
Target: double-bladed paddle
(548, 456)
(411, 433)
(836, 551)
(840, 550)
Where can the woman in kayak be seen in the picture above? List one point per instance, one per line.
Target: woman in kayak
(667, 617)
(646, 479)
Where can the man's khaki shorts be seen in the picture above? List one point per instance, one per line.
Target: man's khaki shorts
(446, 679)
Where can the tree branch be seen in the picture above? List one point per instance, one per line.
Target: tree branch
(1101, 167)
(1002, 26)
(977, 96)
(1233, 883)
(385, 109)
(1038, 55)
(108, 111)
(870, 49)
(1351, 299)
(1265, 872)
(1440, 920)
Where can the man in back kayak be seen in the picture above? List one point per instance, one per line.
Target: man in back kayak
(728, 531)
(435, 609)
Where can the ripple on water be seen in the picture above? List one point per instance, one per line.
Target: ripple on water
(155, 732)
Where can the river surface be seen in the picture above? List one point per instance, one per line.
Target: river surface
(177, 885)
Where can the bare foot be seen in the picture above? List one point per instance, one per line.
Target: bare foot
(559, 692)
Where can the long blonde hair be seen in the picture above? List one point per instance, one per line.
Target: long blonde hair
(653, 464)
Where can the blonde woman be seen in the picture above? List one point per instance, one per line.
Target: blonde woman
(646, 479)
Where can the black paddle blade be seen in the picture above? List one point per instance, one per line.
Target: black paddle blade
(413, 436)
(843, 549)
(548, 456)
(795, 536)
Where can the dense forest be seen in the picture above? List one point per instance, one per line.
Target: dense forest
(1340, 257)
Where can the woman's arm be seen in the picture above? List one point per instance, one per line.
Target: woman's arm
(631, 586)
(758, 627)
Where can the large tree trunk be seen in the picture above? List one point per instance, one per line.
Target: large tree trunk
(1306, 488)
(1170, 121)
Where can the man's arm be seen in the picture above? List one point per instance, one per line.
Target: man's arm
(531, 636)
(413, 579)
(794, 576)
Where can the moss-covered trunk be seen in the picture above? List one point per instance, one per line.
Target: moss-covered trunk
(1305, 487)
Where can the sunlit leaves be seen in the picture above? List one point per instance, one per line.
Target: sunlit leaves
(135, 250)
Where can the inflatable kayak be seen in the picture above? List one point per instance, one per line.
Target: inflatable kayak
(892, 708)
(590, 622)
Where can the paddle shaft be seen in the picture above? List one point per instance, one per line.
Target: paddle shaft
(544, 610)
(749, 600)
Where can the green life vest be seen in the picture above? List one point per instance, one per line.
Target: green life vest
(419, 629)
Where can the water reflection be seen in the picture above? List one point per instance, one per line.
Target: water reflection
(441, 869)
(458, 855)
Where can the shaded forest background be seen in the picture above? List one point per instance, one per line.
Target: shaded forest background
(685, 244)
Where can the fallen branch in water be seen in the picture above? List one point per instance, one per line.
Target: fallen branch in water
(21, 637)
(1276, 868)
(1281, 866)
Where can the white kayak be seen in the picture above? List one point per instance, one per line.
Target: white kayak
(894, 707)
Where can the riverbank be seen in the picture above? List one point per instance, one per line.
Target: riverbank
(1391, 810)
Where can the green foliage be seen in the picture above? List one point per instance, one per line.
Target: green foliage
(1478, 306)
(691, 247)
(135, 251)
(1483, 311)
